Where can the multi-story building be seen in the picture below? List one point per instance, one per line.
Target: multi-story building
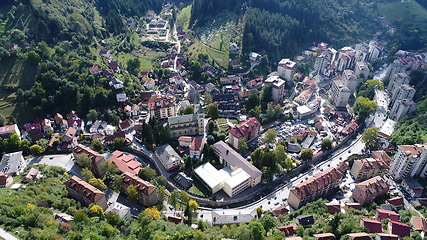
(410, 160)
(97, 159)
(346, 59)
(366, 191)
(125, 162)
(339, 92)
(85, 193)
(396, 80)
(162, 106)
(13, 163)
(147, 192)
(317, 186)
(229, 157)
(278, 85)
(361, 68)
(350, 79)
(375, 50)
(168, 157)
(402, 92)
(7, 130)
(286, 69)
(368, 168)
(190, 124)
(402, 108)
(246, 131)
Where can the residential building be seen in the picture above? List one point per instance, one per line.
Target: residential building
(120, 210)
(349, 205)
(410, 160)
(190, 124)
(332, 207)
(321, 184)
(97, 159)
(229, 157)
(372, 225)
(13, 163)
(245, 131)
(286, 69)
(401, 92)
(176, 220)
(387, 214)
(125, 162)
(162, 106)
(278, 87)
(122, 97)
(147, 192)
(196, 147)
(305, 220)
(185, 181)
(396, 201)
(385, 236)
(361, 68)
(7, 130)
(69, 139)
(368, 168)
(398, 228)
(254, 83)
(365, 192)
(359, 236)
(413, 187)
(381, 154)
(229, 218)
(346, 59)
(340, 93)
(31, 175)
(289, 230)
(230, 80)
(34, 131)
(304, 97)
(280, 211)
(85, 193)
(324, 236)
(419, 224)
(168, 157)
(350, 79)
(396, 80)
(5, 179)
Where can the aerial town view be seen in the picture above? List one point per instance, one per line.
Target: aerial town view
(213, 120)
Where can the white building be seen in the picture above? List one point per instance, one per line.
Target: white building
(286, 69)
(212, 178)
(361, 68)
(402, 108)
(278, 87)
(401, 92)
(410, 160)
(397, 80)
(168, 157)
(13, 163)
(350, 79)
(340, 93)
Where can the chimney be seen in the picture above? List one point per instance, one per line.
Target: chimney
(226, 153)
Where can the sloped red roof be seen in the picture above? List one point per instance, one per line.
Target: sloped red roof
(244, 127)
(372, 225)
(84, 189)
(125, 162)
(142, 186)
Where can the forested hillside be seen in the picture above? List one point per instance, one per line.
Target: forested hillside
(282, 28)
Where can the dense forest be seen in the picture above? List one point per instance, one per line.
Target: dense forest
(282, 28)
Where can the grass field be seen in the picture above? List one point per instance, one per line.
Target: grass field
(183, 18)
(408, 11)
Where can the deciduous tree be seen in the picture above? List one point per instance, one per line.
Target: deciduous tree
(270, 137)
(326, 144)
(243, 146)
(370, 136)
(363, 107)
(307, 154)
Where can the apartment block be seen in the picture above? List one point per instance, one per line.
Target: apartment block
(366, 191)
(246, 131)
(368, 168)
(147, 192)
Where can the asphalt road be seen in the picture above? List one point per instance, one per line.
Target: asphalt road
(7, 235)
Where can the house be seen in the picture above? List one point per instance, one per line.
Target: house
(289, 230)
(349, 129)
(13, 163)
(149, 84)
(120, 210)
(305, 220)
(230, 79)
(168, 157)
(116, 83)
(125, 162)
(47, 125)
(398, 228)
(349, 205)
(236, 64)
(63, 217)
(381, 154)
(304, 97)
(365, 192)
(359, 236)
(85, 193)
(244, 131)
(384, 236)
(176, 220)
(34, 131)
(373, 225)
(254, 83)
(126, 125)
(280, 211)
(419, 224)
(96, 158)
(162, 106)
(196, 147)
(147, 192)
(31, 175)
(317, 186)
(183, 180)
(413, 187)
(396, 201)
(121, 97)
(332, 207)
(229, 218)
(189, 124)
(5, 179)
(5, 131)
(368, 168)
(104, 53)
(324, 236)
(110, 138)
(114, 65)
(94, 70)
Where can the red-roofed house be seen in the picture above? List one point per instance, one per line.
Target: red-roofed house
(289, 230)
(94, 70)
(324, 236)
(332, 207)
(125, 125)
(419, 224)
(373, 225)
(398, 228)
(196, 147)
(385, 236)
(396, 201)
(96, 158)
(280, 211)
(104, 53)
(147, 192)
(35, 131)
(7, 130)
(125, 162)
(359, 236)
(85, 193)
(246, 130)
(387, 214)
(162, 107)
(365, 192)
(349, 129)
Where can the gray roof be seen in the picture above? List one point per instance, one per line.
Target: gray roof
(12, 163)
(183, 180)
(413, 183)
(167, 154)
(183, 119)
(223, 219)
(235, 159)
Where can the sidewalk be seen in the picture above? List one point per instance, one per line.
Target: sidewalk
(7, 235)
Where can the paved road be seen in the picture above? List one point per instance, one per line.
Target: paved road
(7, 235)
